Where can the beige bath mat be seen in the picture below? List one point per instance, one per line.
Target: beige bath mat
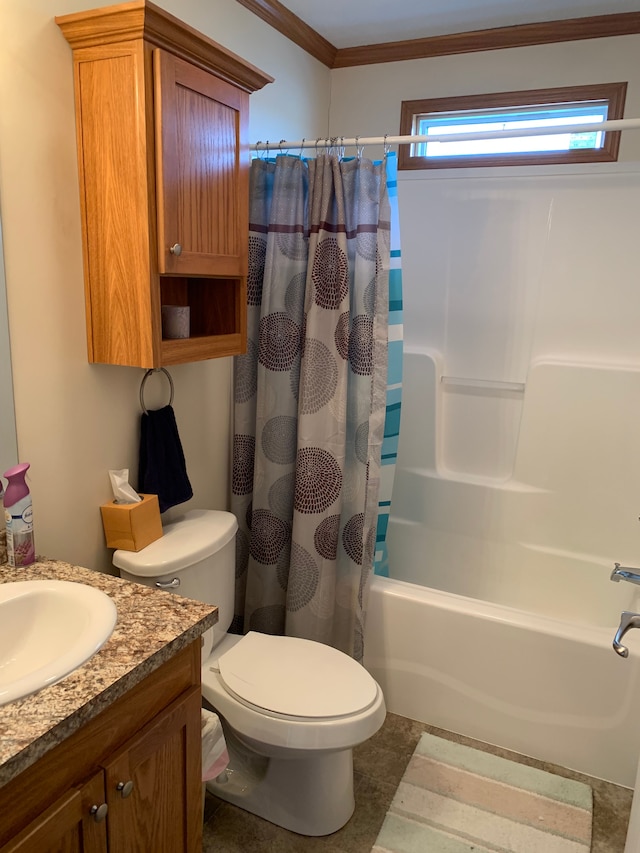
(454, 799)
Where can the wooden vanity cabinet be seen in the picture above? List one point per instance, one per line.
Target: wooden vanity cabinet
(163, 158)
(163, 812)
(141, 758)
(68, 825)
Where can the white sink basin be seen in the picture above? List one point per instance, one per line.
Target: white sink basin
(48, 629)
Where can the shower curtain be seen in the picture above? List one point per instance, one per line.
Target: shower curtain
(310, 397)
(395, 350)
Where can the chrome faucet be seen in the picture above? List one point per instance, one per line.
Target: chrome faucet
(624, 573)
(627, 620)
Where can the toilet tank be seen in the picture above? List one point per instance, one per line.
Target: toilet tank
(195, 557)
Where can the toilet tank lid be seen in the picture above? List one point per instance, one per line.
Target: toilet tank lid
(196, 535)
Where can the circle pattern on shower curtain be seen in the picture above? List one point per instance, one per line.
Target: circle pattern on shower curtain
(255, 277)
(358, 641)
(279, 439)
(269, 534)
(279, 341)
(294, 378)
(369, 298)
(325, 538)
(294, 297)
(292, 244)
(242, 552)
(281, 496)
(318, 480)
(268, 619)
(244, 449)
(303, 578)
(352, 537)
(282, 569)
(367, 245)
(246, 374)
(321, 377)
(361, 345)
(361, 444)
(330, 274)
(341, 335)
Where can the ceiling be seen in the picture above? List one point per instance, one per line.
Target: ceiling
(347, 23)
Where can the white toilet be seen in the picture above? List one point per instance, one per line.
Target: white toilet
(292, 709)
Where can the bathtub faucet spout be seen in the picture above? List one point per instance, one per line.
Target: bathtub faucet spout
(625, 574)
(627, 620)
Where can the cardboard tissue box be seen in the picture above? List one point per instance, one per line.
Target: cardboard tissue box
(132, 526)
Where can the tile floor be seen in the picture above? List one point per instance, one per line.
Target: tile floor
(378, 767)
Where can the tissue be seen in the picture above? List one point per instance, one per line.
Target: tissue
(215, 757)
(123, 493)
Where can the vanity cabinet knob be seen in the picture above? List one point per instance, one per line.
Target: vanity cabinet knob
(99, 812)
(125, 788)
(176, 249)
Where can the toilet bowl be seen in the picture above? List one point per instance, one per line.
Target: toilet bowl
(292, 709)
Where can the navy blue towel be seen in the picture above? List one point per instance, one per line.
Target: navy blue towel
(162, 469)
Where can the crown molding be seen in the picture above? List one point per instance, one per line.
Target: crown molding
(523, 35)
(499, 38)
(294, 28)
(142, 19)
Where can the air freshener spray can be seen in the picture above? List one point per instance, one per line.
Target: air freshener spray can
(18, 514)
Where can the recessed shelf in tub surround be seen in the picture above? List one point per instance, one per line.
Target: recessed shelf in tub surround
(486, 385)
(152, 627)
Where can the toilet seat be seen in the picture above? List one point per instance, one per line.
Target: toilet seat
(295, 678)
(273, 730)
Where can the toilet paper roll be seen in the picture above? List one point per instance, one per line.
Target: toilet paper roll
(175, 321)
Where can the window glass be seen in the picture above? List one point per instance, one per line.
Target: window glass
(512, 112)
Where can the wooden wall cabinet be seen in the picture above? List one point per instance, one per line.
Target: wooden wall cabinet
(140, 758)
(163, 156)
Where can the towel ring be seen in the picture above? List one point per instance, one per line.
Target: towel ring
(144, 380)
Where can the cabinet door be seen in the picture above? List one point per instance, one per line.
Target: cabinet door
(202, 161)
(153, 783)
(68, 826)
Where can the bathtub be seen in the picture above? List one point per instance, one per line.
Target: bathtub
(549, 689)
(510, 506)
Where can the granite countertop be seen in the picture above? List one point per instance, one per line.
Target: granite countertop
(152, 627)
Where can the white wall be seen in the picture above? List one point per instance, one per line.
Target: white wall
(75, 421)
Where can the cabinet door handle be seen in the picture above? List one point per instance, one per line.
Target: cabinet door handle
(99, 812)
(176, 249)
(125, 788)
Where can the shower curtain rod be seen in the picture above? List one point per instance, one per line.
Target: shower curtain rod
(359, 141)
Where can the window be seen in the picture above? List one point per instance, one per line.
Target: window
(512, 111)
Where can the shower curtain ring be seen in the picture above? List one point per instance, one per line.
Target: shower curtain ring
(302, 146)
(386, 145)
